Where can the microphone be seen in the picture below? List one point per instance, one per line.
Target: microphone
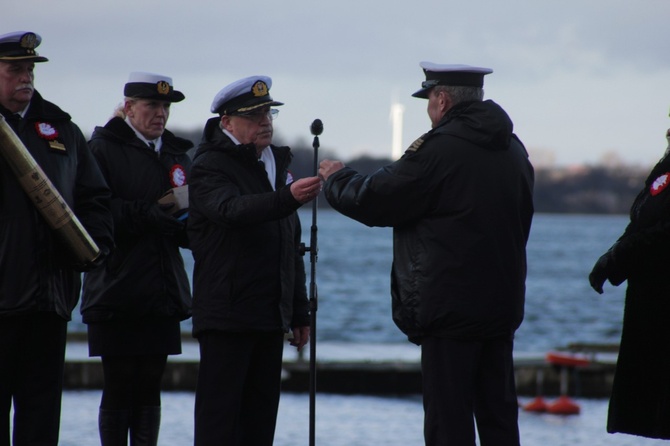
(316, 127)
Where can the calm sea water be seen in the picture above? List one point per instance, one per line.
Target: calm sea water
(354, 313)
(353, 268)
(345, 420)
(353, 278)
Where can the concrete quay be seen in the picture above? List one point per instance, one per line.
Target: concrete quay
(368, 369)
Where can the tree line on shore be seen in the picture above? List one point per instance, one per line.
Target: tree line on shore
(600, 189)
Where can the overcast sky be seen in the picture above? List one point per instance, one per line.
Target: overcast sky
(580, 78)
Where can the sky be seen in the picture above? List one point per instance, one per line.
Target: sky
(583, 81)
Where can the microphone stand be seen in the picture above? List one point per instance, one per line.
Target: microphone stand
(316, 129)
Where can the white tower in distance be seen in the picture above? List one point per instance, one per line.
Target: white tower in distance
(397, 111)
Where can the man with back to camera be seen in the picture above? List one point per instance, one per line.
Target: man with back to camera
(460, 202)
(39, 284)
(249, 277)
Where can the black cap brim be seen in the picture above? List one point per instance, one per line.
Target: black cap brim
(141, 90)
(422, 94)
(35, 59)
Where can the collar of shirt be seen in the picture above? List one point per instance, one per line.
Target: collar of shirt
(158, 142)
(268, 160)
(23, 112)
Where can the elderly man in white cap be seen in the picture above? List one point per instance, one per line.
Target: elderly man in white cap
(249, 277)
(134, 306)
(460, 202)
(39, 283)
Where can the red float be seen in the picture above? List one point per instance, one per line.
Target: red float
(537, 405)
(564, 405)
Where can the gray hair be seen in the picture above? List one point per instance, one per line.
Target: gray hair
(461, 94)
(120, 110)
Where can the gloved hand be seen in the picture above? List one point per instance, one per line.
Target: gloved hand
(600, 272)
(157, 217)
(611, 266)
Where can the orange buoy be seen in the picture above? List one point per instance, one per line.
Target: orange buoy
(563, 406)
(537, 405)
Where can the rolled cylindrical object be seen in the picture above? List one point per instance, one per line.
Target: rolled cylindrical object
(45, 196)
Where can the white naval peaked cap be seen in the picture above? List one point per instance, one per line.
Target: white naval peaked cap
(244, 95)
(20, 45)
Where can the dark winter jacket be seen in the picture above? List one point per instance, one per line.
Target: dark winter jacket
(245, 236)
(641, 392)
(460, 203)
(36, 271)
(145, 273)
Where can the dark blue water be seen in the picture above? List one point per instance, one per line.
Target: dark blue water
(354, 308)
(352, 275)
(350, 420)
(561, 307)
(353, 278)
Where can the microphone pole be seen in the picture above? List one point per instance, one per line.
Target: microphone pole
(316, 129)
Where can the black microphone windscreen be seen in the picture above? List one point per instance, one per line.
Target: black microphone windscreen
(316, 127)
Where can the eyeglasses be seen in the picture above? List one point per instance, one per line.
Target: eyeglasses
(259, 116)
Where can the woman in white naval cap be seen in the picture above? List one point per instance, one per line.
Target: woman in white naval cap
(134, 304)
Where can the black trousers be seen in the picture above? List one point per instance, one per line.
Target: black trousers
(32, 356)
(464, 381)
(238, 389)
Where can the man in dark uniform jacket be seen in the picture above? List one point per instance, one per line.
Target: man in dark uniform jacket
(39, 283)
(460, 202)
(249, 277)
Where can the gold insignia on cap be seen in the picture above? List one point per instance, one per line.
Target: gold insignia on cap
(29, 42)
(162, 87)
(259, 89)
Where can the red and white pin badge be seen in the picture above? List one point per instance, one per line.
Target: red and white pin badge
(46, 131)
(177, 175)
(660, 184)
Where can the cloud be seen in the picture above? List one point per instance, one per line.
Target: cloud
(580, 78)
